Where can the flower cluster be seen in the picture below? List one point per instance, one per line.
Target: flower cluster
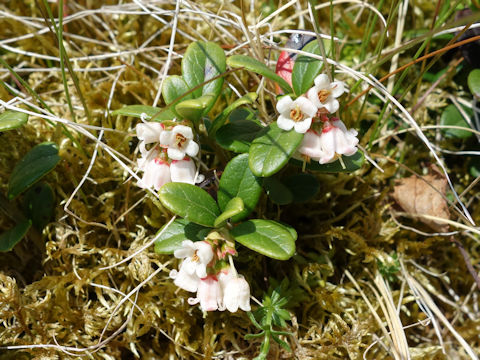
(325, 138)
(204, 270)
(169, 157)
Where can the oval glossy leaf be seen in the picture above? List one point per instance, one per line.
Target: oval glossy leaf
(156, 113)
(303, 187)
(271, 150)
(203, 61)
(243, 114)
(452, 117)
(10, 120)
(178, 231)
(194, 108)
(233, 207)
(237, 136)
(38, 162)
(251, 64)
(277, 192)
(238, 181)
(266, 237)
(11, 237)
(220, 119)
(306, 69)
(174, 87)
(190, 202)
(474, 82)
(38, 204)
(352, 163)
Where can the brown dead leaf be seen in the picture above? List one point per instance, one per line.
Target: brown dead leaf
(418, 196)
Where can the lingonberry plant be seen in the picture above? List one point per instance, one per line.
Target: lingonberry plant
(210, 225)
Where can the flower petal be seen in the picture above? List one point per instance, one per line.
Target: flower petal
(186, 281)
(331, 105)
(187, 250)
(204, 251)
(167, 138)
(183, 171)
(338, 88)
(285, 123)
(306, 106)
(192, 148)
(310, 145)
(175, 154)
(322, 82)
(184, 130)
(284, 104)
(312, 95)
(149, 132)
(302, 126)
(327, 141)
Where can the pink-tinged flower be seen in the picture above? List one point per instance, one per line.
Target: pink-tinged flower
(209, 294)
(336, 140)
(236, 291)
(295, 114)
(148, 133)
(183, 171)
(324, 93)
(179, 141)
(156, 172)
(310, 145)
(196, 256)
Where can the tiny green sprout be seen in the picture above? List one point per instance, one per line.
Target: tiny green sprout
(389, 268)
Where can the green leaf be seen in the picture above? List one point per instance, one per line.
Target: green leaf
(266, 237)
(173, 88)
(38, 203)
(35, 164)
(303, 187)
(156, 113)
(271, 150)
(452, 117)
(277, 192)
(238, 181)
(203, 61)
(11, 237)
(233, 207)
(251, 64)
(237, 136)
(10, 120)
(194, 108)
(220, 119)
(243, 114)
(190, 202)
(306, 69)
(178, 231)
(352, 163)
(474, 82)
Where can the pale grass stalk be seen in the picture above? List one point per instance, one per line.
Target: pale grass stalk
(402, 14)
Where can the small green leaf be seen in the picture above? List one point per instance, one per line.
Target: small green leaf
(352, 163)
(277, 192)
(35, 164)
(237, 136)
(452, 117)
(306, 69)
(243, 114)
(158, 114)
(220, 119)
(233, 207)
(266, 237)
(173, 88)
(271, 150)
(178, 231)
(303, 187)
(203, 61)
(10, 120)
(38, 203)
(474, 82)
(194, 108)
(190, 202)
(11, 237)
(238, 181)
(251, 64)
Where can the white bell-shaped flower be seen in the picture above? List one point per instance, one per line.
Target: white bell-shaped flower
(310, 146)
(196, 256)
(148, 133)
(184, 279)
(295, 114)
(179, 141)
(236, 291)
(209, 294)
(183, 171)
(336, 140)
(324, 93)
(156, 172)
